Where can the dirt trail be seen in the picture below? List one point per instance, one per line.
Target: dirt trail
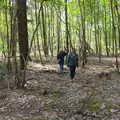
(93, 95)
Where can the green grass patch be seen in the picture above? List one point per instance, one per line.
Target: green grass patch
(25, 91)
(51, 105)
(34, 118)
(95, 105)
(56, 94)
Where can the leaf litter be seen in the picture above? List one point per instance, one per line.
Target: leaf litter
(48, 95)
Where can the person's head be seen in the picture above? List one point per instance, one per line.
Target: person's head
(65, 49)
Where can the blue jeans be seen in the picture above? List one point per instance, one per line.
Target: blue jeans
(61, 68)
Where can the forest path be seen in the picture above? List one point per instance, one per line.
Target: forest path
(93, 95)
(104, 60)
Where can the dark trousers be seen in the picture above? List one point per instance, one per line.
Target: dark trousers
(61, 67)
(72, 71)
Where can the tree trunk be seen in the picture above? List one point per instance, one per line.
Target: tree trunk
(114, 34)
(58, 31)
(66, 23)
(22, 32)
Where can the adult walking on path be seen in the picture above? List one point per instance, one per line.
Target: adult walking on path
(60, 57)
(72, 63)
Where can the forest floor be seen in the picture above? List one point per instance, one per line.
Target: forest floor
(93, 95)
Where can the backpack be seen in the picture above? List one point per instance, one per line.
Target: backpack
(72, 59)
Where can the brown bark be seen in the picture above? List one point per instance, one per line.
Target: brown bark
(22, 32)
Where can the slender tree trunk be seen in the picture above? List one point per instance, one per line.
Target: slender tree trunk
(82, 11)
(118, 16)
(45, 46)
(22, 32)
(52, 31)
(9, 67)
(66, 23)
(105, 32)
(95, 27)
(58, 31)
(114, 34)
(37, 35)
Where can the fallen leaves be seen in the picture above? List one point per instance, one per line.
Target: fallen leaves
(49, 95)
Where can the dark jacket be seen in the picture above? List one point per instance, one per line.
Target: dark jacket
(60, 57)
(72, 59)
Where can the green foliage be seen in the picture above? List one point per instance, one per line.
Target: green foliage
(3, 5)
(56, 94)
(94, 104)
(51, 2)
(35, 118)
(3, 46)
(51, 105)
(94, 14)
